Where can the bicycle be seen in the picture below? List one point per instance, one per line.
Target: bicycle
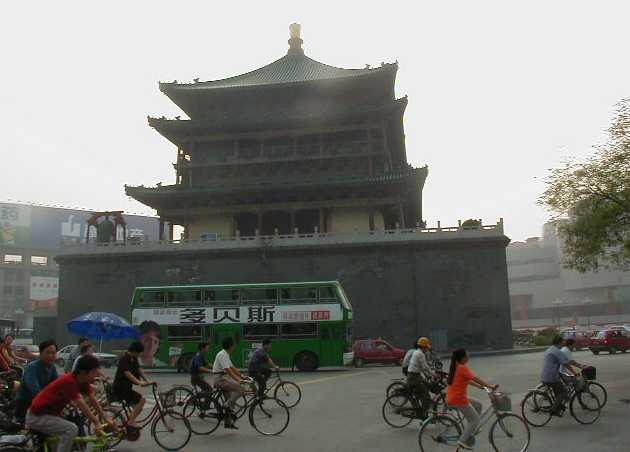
(286, 391)
(267, 415)
(584, 405)
(588, 374)
(169, 429)
(508, 432)
(34, 441)
(402, 406)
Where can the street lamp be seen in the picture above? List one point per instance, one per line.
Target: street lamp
(556, 304)
(587, 301)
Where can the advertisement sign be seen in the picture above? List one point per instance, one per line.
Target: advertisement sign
(44, 292)
(15, 224)
(51, 228)
(238, 314)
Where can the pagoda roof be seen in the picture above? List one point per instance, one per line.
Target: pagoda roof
(151, 196)
(295, 67)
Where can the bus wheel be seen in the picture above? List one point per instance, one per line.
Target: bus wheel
(306, 361)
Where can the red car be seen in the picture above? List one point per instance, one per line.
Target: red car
(582, 338)
(27, 352)
(610, 341)
(369, 351)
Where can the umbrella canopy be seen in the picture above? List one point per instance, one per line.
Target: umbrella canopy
(104, 326)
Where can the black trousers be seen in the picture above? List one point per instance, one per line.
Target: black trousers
(261, 376)
(560, 395)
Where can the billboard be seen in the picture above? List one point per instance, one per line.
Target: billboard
(50, 227)
(44, 293)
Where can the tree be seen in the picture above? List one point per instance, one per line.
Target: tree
(591, 200)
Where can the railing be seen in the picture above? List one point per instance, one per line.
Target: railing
(296, 239)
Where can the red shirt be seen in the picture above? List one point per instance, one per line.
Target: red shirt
(54, 397)
(4, 366)
(457, 393)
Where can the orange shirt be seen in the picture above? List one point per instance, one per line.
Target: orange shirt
(457, 393)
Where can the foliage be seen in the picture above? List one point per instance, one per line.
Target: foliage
(471, 223)
(595, 195)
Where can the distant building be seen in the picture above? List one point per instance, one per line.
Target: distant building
(544, 293)
(30, 237)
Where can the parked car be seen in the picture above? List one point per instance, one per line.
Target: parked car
(371, 351)
(27, 352)
(582, 338)
(106, 359)
(610, 341)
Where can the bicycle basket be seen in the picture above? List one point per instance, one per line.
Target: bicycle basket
(501, 401)
(168, 399)
(589, 373)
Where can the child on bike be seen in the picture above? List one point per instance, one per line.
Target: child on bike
(459, 377)
(44, 415)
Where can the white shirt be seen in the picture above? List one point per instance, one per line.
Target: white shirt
(418, 363)
(567, 352)
(221, 362)
(407, 358)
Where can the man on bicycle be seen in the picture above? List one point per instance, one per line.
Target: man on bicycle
(228, 379)
(44, 414)
(199, 366)
(417, 373)
(260, 366)
(130, 373)
(37, 375)
(553, 361)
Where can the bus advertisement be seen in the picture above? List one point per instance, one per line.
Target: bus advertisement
(310, 323)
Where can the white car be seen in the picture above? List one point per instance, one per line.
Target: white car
(63, 355)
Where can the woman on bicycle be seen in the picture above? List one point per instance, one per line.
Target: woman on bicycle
(459, 377)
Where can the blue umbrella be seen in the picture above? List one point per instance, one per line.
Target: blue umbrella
(103, 326)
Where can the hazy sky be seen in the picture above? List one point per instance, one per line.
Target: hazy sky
(499, 91)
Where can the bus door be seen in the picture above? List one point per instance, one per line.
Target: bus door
(218, 332)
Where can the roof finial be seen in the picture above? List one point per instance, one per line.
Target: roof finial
(295, 42)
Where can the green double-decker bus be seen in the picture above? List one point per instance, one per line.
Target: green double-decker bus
(310, 323)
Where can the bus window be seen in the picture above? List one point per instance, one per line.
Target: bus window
(260, 331)
(299, 294)
(186, 296)
(298, 330)
(259, 296)
(184, 332)
(327, 294)
(221, 296)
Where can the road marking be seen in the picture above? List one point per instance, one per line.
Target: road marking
(336, 377)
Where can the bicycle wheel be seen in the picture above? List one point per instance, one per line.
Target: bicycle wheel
(509, 433)
(585, 407)
(536, 408)
(399, 410)
(395, 387)
(171, 431)
(203, 413)
(599, 391)
(269, 416)
(289, 393)
(118, 415)
(177, 397)
(439, 433)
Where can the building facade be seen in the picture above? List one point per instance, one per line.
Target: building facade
(298, 171)
(544, 293)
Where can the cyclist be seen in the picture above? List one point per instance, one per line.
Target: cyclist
(459, 377)
(88, 349)
(228, 379)
(9, 356)
(568, 349)
(44, 415)
(407, 358)
(130, 373)
(260, 366)
(417, 373)
(67, 367)
(37, 375)
(553, 360)
(199, 366)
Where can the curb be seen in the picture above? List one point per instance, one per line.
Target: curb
(510, 351)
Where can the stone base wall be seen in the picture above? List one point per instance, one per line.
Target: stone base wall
(454, 291)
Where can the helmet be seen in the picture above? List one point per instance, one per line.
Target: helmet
(424, 342)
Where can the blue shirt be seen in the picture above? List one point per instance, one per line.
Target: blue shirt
(35, 378)
(198, 361)
(552, 361)
(258, 360)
